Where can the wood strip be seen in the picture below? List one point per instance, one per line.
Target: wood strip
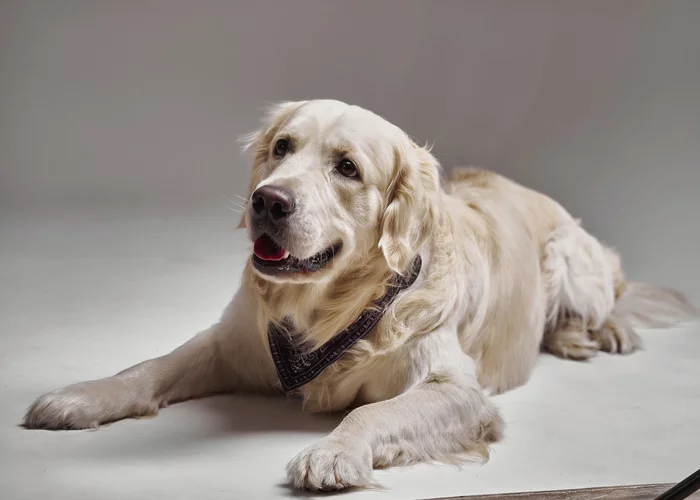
(636, 492)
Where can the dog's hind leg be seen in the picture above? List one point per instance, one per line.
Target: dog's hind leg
(583, 279)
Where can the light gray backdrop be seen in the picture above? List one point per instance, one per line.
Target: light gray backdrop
(139, 103)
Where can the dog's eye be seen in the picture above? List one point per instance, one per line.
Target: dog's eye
(347, 168)
(281, 148)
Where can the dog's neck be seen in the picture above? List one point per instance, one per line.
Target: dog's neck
(320, 310)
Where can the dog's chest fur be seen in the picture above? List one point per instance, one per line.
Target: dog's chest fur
(363, 375)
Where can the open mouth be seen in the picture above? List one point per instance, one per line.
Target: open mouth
(270, 258)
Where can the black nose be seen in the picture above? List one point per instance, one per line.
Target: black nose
(274, 201)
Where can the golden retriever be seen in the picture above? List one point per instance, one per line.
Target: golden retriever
(457, 287)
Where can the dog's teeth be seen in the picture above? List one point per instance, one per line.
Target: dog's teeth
(286, 254)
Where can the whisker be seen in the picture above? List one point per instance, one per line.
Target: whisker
(236, 203)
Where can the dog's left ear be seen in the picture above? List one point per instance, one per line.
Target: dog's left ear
(411, 212)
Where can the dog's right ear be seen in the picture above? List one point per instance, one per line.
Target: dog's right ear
(411, 213)
(258, 143)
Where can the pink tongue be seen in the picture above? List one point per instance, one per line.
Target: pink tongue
(266, 249)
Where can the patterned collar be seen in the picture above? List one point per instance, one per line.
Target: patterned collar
(296, 366)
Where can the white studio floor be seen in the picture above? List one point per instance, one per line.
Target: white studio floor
(86, 295)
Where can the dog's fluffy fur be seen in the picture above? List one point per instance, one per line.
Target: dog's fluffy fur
(506, 272)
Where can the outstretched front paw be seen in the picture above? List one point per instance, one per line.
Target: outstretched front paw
(332, 464)
(86, 405)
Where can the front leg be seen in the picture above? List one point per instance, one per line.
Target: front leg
(443, 416)
(228, 356)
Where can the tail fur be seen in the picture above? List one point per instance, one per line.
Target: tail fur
(649, 306)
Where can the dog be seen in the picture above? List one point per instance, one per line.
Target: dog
(377, 286)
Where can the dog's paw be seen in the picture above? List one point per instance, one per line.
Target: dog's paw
(332, 464)
(68, 408)
(617, 337)
(573, 344)
(84, 406)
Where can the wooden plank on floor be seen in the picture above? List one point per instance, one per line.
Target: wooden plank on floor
(637, 492)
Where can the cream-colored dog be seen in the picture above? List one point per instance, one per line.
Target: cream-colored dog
(342, 205)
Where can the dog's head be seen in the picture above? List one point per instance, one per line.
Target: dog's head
(331, 183)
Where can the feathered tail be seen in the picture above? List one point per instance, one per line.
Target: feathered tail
(650, 306)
